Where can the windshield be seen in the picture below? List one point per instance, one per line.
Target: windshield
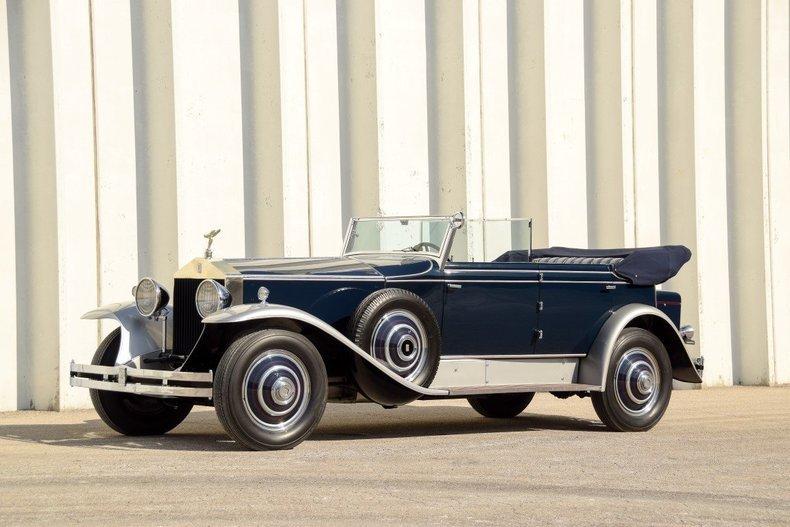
(389, 235)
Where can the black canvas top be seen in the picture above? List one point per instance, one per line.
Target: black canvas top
(642, 266)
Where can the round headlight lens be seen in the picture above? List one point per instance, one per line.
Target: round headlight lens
(211, 296)
(150, 297)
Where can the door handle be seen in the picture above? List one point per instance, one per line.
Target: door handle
(454, 286)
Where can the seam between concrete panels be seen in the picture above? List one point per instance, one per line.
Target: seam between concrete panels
(96, 192)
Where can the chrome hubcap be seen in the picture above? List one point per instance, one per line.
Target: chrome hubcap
(636, 381)
(399, 341)
(276, 390)
(283, 391)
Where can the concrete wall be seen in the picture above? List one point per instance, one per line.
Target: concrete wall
(127, 129)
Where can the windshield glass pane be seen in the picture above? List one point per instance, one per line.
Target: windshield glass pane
(421, 235)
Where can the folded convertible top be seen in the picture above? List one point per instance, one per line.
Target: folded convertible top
(642, 266)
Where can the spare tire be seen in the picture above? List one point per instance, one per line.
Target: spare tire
(397, 328)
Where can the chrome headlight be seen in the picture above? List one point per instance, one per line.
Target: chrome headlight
(211, 296)
(150, 297)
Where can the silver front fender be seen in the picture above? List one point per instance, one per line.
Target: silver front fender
(248, 312)
(139, 335)
(592, 369)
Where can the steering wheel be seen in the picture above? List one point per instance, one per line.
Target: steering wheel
(425, 245)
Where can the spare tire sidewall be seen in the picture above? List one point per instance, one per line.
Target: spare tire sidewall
(411, 303)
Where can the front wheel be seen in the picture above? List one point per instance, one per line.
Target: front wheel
(270, 389)
(501, 406)
(132, 414)
(638, 383)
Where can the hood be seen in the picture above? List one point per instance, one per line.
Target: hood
(359, 266)
(314, 267)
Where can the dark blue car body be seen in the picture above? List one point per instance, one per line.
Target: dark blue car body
(484, 309)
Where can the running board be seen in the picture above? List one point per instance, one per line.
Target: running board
(469, 391)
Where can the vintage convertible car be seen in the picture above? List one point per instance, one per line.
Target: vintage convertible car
(415, 308)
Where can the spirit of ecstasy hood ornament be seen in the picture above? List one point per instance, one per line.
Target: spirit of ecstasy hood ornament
(210, 237)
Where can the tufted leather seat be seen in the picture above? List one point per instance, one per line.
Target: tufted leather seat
(577, 260)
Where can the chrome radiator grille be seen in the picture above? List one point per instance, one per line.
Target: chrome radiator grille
(186, 321)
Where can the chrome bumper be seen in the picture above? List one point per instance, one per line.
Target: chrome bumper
(144, 382)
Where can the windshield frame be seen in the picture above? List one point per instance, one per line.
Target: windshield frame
(454, 223)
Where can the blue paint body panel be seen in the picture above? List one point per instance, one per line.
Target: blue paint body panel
(483, 308)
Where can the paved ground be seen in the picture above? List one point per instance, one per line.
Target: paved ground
(719, 457)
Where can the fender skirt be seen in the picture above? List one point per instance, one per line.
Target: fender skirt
(592, 369)
(377, 382)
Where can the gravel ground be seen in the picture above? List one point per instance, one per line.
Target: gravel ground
(719, 457)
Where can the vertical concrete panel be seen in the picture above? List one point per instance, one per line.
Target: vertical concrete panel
(116, 178)
(676, 146)
(35, 204)
(401, 95)
(487, 112)
(495, 114)
(495, 118)
(528, 115)
(293, 108)
(356, 28)
(207, 94)
(444, 29)
(603, 107)
(745, 193)
(323, 128)
(776, 167)
(261, 123)
(566, 152)
(473, 136)
(472, 112)
(76, 191)
(646, 187)
(155, 147)
(8, 332)
(710, 171)
(627, 121)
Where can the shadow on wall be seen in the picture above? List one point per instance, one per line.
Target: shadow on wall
(202, 432)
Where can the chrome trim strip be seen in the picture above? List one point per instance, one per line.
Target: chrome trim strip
(308, 278)
(467, 281)
(472, 271)
(391, 253)
(506, 281)
(514, 357)
(249, 312)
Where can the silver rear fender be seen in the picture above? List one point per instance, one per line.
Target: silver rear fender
(593, 368)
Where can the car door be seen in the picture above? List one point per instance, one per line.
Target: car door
(490, 309)
(575, 303)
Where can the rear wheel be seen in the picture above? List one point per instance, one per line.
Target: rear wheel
(132, 414)
(501, 406)
(638, 383)
(270, 389)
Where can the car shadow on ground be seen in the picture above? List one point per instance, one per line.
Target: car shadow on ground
(202, 432)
